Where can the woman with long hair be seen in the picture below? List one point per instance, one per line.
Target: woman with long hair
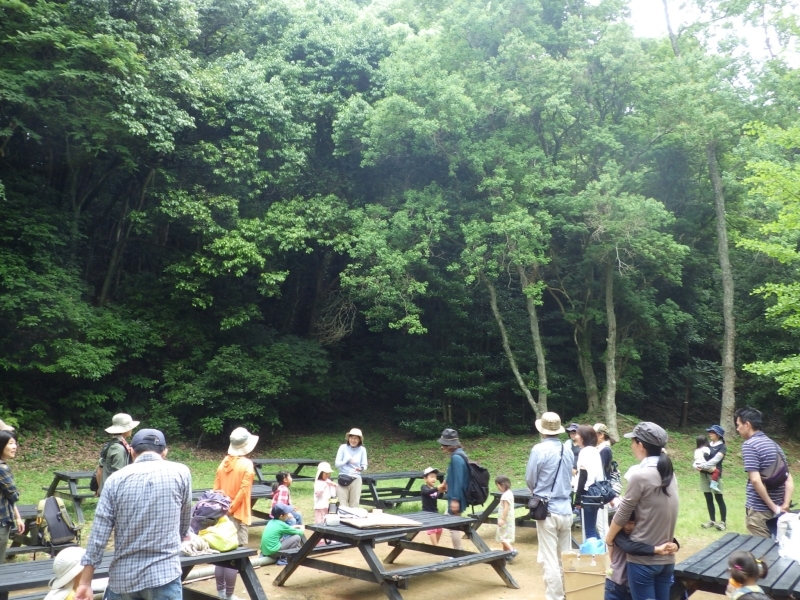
(653, 494)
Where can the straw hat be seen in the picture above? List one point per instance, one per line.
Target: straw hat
(122, 423)
(549, 424)
(242, 442)
(355, 431)
(67, 566)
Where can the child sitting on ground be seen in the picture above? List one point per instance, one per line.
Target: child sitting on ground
(506, 523)
(278, 535)
(617, 587)
(67, 569)
(324, 490)
(745, 571)
(701, 457)
(281, 495)
(430, 495)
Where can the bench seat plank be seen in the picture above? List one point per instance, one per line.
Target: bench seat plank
(448, 565)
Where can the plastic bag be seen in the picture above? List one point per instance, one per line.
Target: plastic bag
(789, 536)
(222, 536)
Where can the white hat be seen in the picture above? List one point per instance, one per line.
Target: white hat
(4, 427)
(242, 442)
(323, 467)
(430, 470)
(67, 566)
(357, 432)
(549, 424)
(122, 423)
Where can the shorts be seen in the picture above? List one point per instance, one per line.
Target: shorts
(435, 531)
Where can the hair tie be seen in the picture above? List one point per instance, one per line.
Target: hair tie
(738, 567)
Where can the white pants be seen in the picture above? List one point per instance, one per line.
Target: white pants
(602, 523)
(349, 495)
(554, 538)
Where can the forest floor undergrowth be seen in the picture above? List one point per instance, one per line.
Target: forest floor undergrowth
(42, 453)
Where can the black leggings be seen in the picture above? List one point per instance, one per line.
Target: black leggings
(723, 510)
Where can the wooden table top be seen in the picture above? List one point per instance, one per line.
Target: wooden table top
(428, 520)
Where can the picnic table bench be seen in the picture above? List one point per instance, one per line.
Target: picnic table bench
(257, 492)
(300, 464)
(67, 486)
(401, 538)
(389, 497)
(31, 575)
(707, 570)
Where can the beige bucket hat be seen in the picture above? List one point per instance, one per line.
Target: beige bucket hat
(549, 424)
(242, 442)
(122, 423)
(66, 567)
(354, 431)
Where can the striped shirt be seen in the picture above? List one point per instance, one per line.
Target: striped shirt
(758, 453)
(148, 505)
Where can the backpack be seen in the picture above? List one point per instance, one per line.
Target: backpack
(775, 474)
(94, 483)
(55, 525)
(614, 478)
(209, 508)
(478, 486)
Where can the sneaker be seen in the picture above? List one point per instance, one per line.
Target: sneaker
(708, 525)
(222, 595)
(720, 526)
(282, 562)
(714, 485)
(511, 558)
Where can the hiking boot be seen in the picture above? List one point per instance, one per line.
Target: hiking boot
(708, 525)
(720, 526)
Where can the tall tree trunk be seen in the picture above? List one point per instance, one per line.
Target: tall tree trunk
(610, 399)
(673, 39)
(506, 346)
(583, 341)
(729, 335)
(541, 366)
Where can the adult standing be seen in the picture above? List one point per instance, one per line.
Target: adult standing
(116, 453)
(604, 443)
(351, 460)
(9, 495)
(456, 481)
(573, 447)
(148, 506)
(653, 493)
(759, 453)
(548, 475)
(590, 470)
(235, 478)
(717, 452)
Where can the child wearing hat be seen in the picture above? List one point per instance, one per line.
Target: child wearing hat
(67, 569)
(430, 492)
(278, 535)
(324, 491)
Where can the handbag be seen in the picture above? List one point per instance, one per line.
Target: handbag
(603, 490)
(538, 505)
(222, 537)
(775, 474)
(345, 480)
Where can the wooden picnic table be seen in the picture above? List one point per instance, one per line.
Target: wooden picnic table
(30, 575)
(257, 492)
(708, 570)
(401, 538)
(67, 486)
(299, 463)
(389, 497)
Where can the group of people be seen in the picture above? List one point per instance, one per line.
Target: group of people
(142, 496)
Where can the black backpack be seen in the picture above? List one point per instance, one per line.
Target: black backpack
(94, 483)
(478, 487)
(55, 526)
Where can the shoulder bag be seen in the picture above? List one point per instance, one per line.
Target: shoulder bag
(776, 473)
(539, 504)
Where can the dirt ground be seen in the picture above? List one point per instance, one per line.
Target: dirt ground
(478, 582)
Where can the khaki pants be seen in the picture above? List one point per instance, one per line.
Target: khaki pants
(756, 522)
(349, 495)
(241, 531)
(554, 538)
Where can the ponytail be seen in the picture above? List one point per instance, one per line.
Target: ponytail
(745, 566)
(664, 465)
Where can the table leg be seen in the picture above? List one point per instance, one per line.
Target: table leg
(250, 580)
(477, 540)
(52, 489)
(259, 476)
(295, 560)
(373, 490)
(76, 501)
(389, 587)
(485, 514)
(398, 549)
(499, 565)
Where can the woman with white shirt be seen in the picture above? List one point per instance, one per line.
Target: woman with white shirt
(351, 460)
(590, 470)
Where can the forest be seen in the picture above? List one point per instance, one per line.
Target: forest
(290, 214)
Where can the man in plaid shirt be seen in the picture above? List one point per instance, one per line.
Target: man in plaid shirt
(148, 505)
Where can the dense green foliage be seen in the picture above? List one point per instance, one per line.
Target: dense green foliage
(272, 212)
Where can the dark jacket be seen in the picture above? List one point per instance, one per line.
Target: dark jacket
(458, 479)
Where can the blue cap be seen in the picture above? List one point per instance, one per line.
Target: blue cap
(280, 509)
(148, 436)
(718, 430)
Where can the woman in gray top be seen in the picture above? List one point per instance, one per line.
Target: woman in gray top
(653, 493)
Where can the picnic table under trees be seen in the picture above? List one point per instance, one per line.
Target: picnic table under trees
(391, 496)
(284, 464)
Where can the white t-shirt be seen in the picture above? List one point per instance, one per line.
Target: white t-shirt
(589, 459)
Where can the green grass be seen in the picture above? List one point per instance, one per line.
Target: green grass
(506, 455)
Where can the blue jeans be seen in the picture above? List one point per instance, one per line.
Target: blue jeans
(615, 591)
(650, 582)
(590, 521)
(169, 591)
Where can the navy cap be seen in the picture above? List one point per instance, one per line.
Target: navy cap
(718, 430)
(573, 427)
(280, 509)
(148, 436)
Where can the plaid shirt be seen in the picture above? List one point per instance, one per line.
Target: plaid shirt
(8, 494)
(148, 505)
(282, 496)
